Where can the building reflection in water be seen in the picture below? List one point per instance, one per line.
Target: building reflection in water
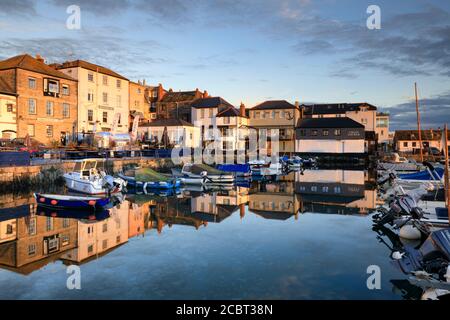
(29, 239)
(337, 191)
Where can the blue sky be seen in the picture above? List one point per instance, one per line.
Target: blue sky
(250, 51)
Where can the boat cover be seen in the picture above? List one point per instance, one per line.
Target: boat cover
(424, 175)
(244, 168)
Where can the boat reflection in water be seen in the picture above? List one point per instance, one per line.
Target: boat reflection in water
(31, 237)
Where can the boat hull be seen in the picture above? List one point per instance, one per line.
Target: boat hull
(57, 202)
(131, 181)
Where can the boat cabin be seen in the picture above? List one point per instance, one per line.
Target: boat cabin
(89, 167)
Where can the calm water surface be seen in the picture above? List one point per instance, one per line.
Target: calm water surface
(305, 237)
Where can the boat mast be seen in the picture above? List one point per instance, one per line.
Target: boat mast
(418, 122)
(446, 176)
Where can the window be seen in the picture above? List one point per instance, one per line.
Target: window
(105, 244)
(105, 117)
(405, 144)
(226, 120)
(105, 227)
(105, 97)
(52, 86)
(202, 113)
(32, 226)
(32, 249)
(90, 115)
(282, 133)
(49, 130)
(30, 130)
(282, 114)
(118, 239)
(105, 80)
(118, 84)
(257, 114)
(314, 132)
(65, 240)
(49, 223)
(32, 83)
(90, 77)
(66, 223)
(49, 108)
(90, 248)
(153, 116)
(65, 89)
(337, 132)
(90, 96)
(302, 133)
(31, 106)
(353, 133)
(118, 101)
(9, 107)
(325, 132)
(211, 112)
(66, 110)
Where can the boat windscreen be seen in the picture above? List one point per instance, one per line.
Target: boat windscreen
(77, 166)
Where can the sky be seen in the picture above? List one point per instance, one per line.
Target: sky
(255, 50)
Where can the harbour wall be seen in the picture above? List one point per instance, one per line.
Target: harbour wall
(21, 178)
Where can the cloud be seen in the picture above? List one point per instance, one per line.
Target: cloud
(403, 47)
(109, 51)
(17, 7)
(434, 113)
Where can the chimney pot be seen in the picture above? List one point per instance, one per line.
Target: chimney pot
(39, 58)
(205, 94)
(242, 110)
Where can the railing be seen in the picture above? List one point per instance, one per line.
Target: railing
(57, 156)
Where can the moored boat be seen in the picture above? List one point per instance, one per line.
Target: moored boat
(89, 177)
(62, 202)
(204, 174)
(147, 178)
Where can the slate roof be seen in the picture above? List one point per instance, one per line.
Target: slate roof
(89, 66)
(343, 122)
(179, 96)
(27, 62)
(167, 123)
(211, 102)
(230, 112)
(430, 135)
(335, 108)
(274, 104)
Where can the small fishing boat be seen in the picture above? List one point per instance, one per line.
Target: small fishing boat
(429, 175)
(63, 202)
(89, 177)
(201, 174)
(147, 178)
(82, 215)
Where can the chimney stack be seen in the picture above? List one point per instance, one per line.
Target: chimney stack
(161, 92)
(205, 94)
(39, 58)
(242, 110)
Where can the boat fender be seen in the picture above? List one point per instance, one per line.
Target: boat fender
(410, 232)
(54, 202)
(42, 200)
(397, 255)
(92, 202)
(145, 186)
(434, 294)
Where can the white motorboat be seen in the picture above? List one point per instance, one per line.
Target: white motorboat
(89, 177)
(201, 174)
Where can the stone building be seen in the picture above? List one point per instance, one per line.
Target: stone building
(143, 100)
(102, 96)
(177, 105)
(46, 99)
(8, 111)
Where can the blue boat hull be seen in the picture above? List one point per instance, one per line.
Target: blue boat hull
(438, 173)
(79, 204)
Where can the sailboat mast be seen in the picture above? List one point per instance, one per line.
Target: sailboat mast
(418, 122)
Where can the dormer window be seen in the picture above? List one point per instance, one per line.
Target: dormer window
(51, 87)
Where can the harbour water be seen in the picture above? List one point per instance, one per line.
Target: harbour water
(305, 236)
